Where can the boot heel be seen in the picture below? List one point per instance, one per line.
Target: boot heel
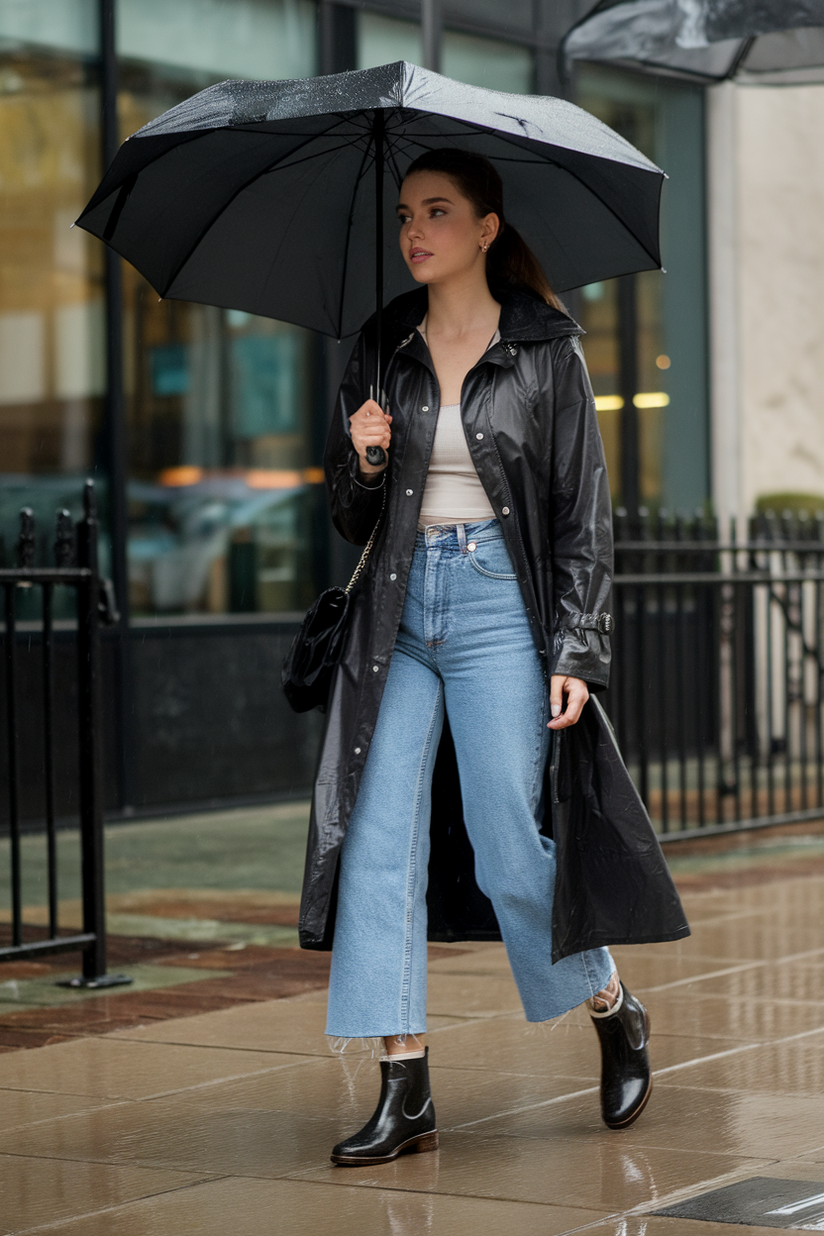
(429, 1141)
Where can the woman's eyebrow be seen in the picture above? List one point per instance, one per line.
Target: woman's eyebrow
(427, 201)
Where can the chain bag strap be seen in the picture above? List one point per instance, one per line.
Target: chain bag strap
(309, 667)
(367, 549)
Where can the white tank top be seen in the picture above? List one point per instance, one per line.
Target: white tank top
(453, 493)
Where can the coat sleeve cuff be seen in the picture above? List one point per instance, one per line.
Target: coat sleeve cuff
(582, 653)
(380, 481)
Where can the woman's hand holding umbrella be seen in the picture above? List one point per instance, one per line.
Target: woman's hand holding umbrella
(370, 428)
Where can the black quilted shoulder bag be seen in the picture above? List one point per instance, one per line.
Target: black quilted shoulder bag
(316, 649)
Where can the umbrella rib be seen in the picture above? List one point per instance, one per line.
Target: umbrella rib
(279, 163)
(547, 161)
(361, 173)
(285, 229)
(393, 162)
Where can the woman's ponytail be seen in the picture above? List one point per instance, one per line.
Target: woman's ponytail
(510, 259)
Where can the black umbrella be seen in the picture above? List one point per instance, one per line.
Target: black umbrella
(270, 196)
(778, 42)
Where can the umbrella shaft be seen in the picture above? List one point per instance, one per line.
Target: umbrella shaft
(379, 155)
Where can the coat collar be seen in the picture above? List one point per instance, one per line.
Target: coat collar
(524, 318)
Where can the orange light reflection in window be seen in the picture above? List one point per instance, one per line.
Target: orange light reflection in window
(255, 478)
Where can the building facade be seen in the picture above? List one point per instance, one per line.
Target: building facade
(204, 427)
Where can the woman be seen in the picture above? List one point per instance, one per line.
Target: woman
(475, 641)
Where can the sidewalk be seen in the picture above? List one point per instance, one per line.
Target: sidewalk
(221, 1121)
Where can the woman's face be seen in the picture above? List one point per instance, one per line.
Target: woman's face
(441, 236)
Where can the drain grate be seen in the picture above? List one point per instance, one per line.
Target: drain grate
(762, 1201)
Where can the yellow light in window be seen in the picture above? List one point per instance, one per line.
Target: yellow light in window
(272, 478)
(608, 403)
(663, 361)
(651, 399)
(184, 475)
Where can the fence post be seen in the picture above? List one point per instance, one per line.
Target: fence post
(91, 753)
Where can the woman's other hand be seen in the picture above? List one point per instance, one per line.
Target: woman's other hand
(370, 427)
(567, 697)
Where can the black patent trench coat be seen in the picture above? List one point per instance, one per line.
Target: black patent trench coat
(531, 427)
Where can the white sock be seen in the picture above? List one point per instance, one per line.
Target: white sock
(608, 1012)
(406, 1055)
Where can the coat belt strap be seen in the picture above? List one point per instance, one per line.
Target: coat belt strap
(587, 622)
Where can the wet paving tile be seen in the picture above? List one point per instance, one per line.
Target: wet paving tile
(791, 1068)
(654, 1225)
(177, 1134)
(247, 1207)
(716, 1015)
(278, 1025)
(33, 1193)
(44, 991)
(641, 969)
(601, 1170)
(109, 1068)
(682, 1118)
(19, 1108)
(780, 980)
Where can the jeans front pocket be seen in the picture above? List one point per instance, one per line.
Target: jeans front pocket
(490, 558)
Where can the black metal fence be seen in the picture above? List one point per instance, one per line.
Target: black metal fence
(76, 568)
(716, 694)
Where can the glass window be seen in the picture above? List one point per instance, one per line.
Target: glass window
(62, 25)
(225, 488)
(51, 304)
(466, 58)
(487, 62)
(267, 39)
(665, 120)
(383, 40)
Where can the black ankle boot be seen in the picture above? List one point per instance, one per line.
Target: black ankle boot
(626, 1081)
(404, 1120)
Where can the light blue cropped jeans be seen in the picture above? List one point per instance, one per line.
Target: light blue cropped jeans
(464, 644)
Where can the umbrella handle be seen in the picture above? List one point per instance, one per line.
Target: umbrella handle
(376, 455)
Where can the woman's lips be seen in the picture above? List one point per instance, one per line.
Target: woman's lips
(419, 255)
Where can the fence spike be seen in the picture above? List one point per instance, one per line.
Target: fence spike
(26, 542)
(89, 500)
(64, 539)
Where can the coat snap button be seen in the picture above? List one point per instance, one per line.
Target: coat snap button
(375, 669)
(504, 510)
(357, 750)
(409, 493)
(479, 436)
(425, 407)
(393, 576)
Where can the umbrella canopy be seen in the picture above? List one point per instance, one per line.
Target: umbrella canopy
(269, 196)
(772, 42)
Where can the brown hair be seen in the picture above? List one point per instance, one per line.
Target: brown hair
(510, 259)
